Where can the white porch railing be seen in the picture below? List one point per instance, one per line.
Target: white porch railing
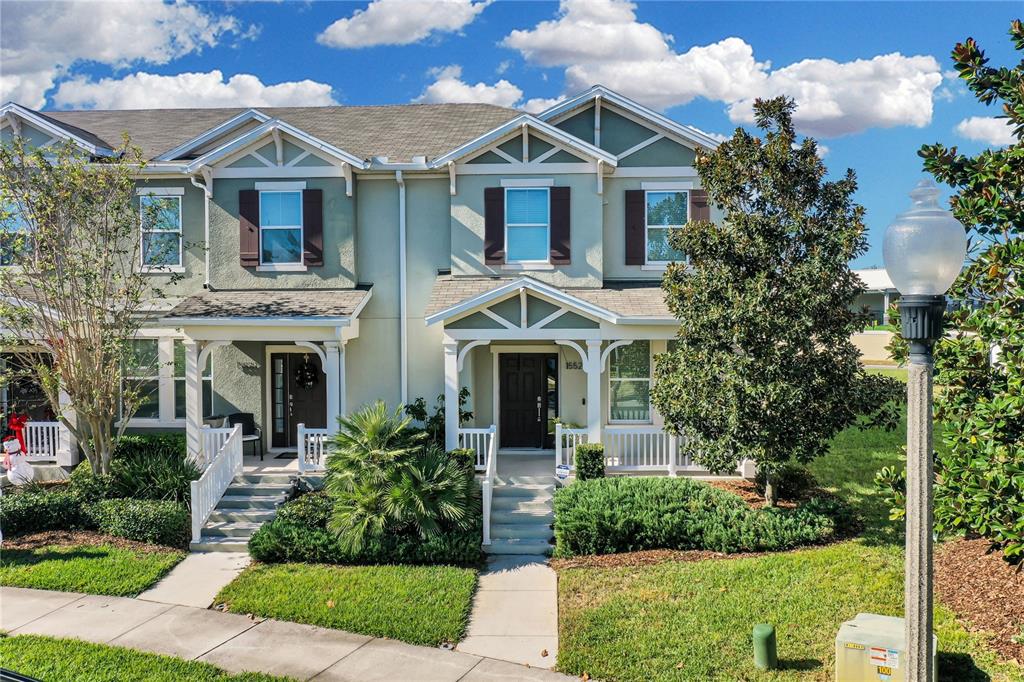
(225, 464)
(487, 485)
(480, 441)
(566, 440)
(311, 444)
(48, 441)
(213, 440)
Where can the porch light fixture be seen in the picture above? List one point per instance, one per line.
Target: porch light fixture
(924, 251)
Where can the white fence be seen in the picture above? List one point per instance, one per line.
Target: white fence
(223, 466)
(481, 441)
(49, 441)
(311, 444)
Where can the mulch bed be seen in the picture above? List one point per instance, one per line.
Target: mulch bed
(646, 558)
(77, 538)
(747, 492)
(985, 592)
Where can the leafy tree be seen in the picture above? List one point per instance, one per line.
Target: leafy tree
(75, 296)
(764, 367)
(980, 362)
(433, 424)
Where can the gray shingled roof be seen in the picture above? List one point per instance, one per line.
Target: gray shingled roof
(264, 303)
(397, 131)
(624, 298)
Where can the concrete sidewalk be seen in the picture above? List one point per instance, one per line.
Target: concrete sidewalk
(515, 612)
(237, 643)
(198, 578)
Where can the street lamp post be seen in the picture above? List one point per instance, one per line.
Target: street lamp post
(924, 251)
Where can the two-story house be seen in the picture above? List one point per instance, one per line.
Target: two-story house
(333, 256)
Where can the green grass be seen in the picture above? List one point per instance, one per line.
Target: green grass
(93, 569)
(417, 604)
(71, 660)
(693, 621)
(894, 372)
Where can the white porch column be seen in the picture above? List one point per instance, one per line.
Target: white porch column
(885, 307)
(451, 394)
(593, 370)
(67, 454)
(333, 368)
(193, 402)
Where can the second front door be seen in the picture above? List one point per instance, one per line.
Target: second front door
(298, 395)
(527, 395)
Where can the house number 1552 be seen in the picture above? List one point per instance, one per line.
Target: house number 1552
(573, 364)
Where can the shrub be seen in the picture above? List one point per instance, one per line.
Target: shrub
(589, 461)
(144, 467)
(91, 487)
(39, 510)
(466, 457)
(792, 481)
(159, 522)
(604, 516)
(312, 509)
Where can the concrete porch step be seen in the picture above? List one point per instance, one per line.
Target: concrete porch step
(546, 491)
(522, 530)
(525, 480)
(241, 515)
(506, 516)
(278, 479)
(539, 504)
(209, 543)
(514, 546)
(245, 488)
(231, 529)
(251, 501)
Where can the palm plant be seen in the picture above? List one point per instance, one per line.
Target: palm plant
(384, 479)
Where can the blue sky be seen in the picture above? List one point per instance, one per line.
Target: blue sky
(873, 79)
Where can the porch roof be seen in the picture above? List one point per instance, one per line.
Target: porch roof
(305, 306)
(616, 301)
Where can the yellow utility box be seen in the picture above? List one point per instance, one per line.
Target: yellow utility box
(870, 648)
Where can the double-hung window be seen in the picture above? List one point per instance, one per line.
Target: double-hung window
(155, 370)
(179, 382)
(665, 210)
(15, 236)
(161, 231)
(527, 224)
(280, 227)
(629, 383)
(141, 374)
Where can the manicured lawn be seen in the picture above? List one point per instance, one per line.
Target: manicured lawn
(94, 569)
(683, 621)
(417, 604)
(70, 660)
(895, 372)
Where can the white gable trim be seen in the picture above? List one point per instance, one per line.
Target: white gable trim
(213, 133)
(545, 291)
(514, 127)
(37, 121)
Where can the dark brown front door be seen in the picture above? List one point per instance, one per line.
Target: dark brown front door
(298, 395)
(526, 394)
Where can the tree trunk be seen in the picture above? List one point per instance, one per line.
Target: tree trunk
(770, 496)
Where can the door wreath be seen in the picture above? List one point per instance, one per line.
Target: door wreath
(306, 374)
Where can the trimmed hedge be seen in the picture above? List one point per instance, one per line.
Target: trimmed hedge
(32, 511)
(144, 467)
(299, 534)
(610, 515)
(158, 522)
(589, 461)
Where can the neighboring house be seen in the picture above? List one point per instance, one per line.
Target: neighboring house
(879, 294)
(393, 252)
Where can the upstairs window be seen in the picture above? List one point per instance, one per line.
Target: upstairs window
(629, 383)
(161, 230)
(15, 236)
(280, 227)
(527, 224)
(665, 211)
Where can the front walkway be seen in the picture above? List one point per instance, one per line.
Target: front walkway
(238, 643)
(197, 579)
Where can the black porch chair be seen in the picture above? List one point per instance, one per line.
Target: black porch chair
(250, 432)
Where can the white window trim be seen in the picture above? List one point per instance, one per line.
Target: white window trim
(666, 186)
(297, 185)
(162, 267)
(529, 264)
(528, 183)
(661, 264)
(295, 266)
(650, 383)
(165, 387)
(161, 191)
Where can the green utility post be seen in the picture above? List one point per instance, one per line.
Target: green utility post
(765, 655)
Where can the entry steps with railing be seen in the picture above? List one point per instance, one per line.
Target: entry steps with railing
(250, 501)
(522, 511)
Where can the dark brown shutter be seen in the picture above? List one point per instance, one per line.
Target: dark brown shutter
(313, 227)
(249, 227)
(560, 232)
(636, 227)
(699, 204)
(494, 225)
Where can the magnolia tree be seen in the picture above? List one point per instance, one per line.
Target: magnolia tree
(764, 367)
(71, 292)
(980, 362)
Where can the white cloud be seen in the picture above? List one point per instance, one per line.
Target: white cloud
(504, 66)
(448, 86)
(539, 104)
(148, 91)
(601, 41)
(400, 22)
(987, 129)
(41, 41)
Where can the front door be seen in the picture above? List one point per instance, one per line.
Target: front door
(528, 396)
(298, 395)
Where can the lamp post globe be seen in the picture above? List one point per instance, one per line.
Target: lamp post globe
(924, 251)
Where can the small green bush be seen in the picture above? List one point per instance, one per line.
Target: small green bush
(609, 515)
(32, 511)
(466, 457)
(159, 522)
(589, 461)
(792, 481)
(143, 467)
(312, 509)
